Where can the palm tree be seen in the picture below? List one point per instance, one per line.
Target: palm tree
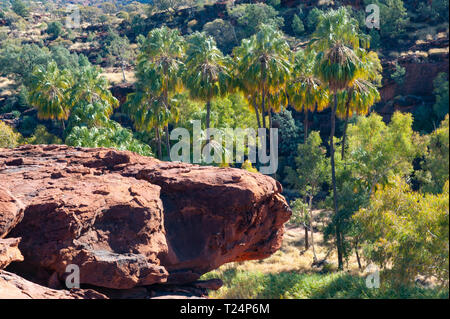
(276, 98)
(48, 92)
(89, 87)
(263, 61)
(363, 93)
(248, 89)
(207, 71)
(146, 109)
(305, 90)
(89, 115)
(336, 37)
(163, 52)
(252, 100)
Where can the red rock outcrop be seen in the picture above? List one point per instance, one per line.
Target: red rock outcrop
(422, 63)
(15, 287)
(128, 220)
(9, 251)
(11, 210)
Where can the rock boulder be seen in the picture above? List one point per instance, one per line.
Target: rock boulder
(127, 220)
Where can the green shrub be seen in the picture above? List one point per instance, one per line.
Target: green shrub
(8, 137)
(55, 29)
(114, 136)
(441, 91)
(20, 8)
(42, 136)
(399, 74)
(297, 25)
(313, 18)
(406, 232)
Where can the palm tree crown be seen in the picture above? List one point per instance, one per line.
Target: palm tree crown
(264, 62)
(306, 92)
(163, 52)
(90, 87)
(208, 72)
(48, 92)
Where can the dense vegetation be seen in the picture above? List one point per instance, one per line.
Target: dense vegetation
(313, 73)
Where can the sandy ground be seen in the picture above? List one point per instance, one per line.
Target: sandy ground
(5, 86)
(114, 75)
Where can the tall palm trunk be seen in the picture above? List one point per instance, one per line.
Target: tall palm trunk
(344, 137)
(208, 119)
(257, 114)
(305, 126)
(270, 118)
(333, 180)
(263, 106)
(158, 140)
(264, 119)
(263, 99)
(166, 129)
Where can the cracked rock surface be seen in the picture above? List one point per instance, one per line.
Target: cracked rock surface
(127, 220)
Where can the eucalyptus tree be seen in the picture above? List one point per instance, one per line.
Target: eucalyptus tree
(49, 88)
(336, 38)
(162, 57)
(312, 170)
(119, 50)
(208, 73)
(306, 91)
(264, 62)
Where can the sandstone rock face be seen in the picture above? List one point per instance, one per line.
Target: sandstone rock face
(9, 251)
(127, 220)
(214, 216)
(108, 225)
(11, 211)
(15, 287)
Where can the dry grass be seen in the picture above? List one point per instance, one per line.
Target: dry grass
(114, 75)
(292, 255)
(416, 53)
(78, 46)
(436, 51)
(289, 274)
(6, 86)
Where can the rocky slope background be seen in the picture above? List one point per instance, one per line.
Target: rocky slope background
(136, 227)
(412, 45)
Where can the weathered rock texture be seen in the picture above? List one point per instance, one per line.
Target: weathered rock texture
(9, 251)
(15, 287)
(11, 210)
(128, 220)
